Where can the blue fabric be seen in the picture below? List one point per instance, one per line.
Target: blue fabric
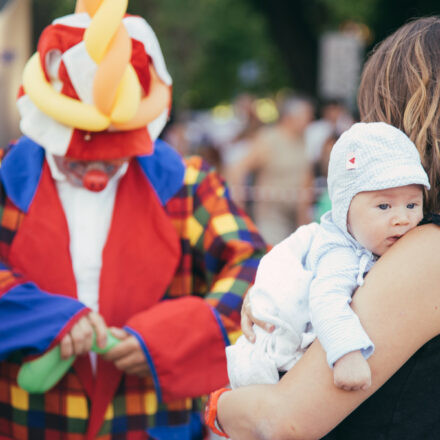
(31, 319)
(165, 170)
(191, 431)
(21, 171)
(149, 360)
(222, 328)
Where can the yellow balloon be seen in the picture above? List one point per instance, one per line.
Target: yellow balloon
(103, 27)
(66, 110)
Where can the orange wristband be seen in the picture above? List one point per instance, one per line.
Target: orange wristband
(211, 412)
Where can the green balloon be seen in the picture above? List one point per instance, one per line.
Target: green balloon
(42, 374)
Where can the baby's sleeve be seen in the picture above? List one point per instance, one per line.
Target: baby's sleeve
(336, 325)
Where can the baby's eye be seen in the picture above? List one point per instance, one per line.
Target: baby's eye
(383, 206)
(411, 205)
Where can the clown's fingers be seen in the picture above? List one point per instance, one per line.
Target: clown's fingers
(99, 327)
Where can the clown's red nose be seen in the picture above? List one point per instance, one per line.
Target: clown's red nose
(95, 180)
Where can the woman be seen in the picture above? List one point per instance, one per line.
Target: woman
(399, 305)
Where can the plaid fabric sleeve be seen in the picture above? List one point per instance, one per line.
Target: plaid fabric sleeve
(228, 245)
(184, 338)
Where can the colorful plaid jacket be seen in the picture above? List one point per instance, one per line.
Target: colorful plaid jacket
(179, 257)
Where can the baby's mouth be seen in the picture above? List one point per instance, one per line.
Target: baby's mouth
(394, 238)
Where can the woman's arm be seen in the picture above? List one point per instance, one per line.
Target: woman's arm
(399, 307)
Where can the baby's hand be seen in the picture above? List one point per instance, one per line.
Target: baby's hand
(352, 372)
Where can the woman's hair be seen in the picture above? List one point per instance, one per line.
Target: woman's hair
(400, 85)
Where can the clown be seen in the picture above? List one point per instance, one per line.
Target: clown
(104, 226)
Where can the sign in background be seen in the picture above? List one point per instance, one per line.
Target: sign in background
(340, 62)
(15, 36)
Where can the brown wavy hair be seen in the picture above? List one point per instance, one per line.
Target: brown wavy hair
(400, 85)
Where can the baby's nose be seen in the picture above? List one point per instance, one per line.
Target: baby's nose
(401, 217)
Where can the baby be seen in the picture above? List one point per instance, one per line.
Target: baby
(304, 284)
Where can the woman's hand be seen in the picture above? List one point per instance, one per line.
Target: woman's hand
(128, 355)
(80, 338)
(247, 321)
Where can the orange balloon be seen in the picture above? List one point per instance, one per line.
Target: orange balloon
(89, 6)
(111, 70)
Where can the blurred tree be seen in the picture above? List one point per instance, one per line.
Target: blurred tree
(44, 11)
(215, 49)
(382, 16)
(295, 27)
(391, 14)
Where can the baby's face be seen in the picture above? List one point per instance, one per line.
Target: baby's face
(377, 219)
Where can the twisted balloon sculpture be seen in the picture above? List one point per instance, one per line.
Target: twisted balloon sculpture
(119, 100)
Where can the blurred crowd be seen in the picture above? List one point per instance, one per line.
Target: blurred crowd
(276, 167)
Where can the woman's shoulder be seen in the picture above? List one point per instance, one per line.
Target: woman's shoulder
(424, 239)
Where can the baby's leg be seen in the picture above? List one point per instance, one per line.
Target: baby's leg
(249, 363)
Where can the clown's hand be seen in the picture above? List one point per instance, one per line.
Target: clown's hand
(128, 355)
(80, 338)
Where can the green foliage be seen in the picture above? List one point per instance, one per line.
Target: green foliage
(205, 42)
(44, 11)
(342, 10)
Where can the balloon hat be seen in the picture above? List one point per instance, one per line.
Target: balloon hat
(97, 88)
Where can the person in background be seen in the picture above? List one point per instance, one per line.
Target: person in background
(314, 185)
(277, 158)
(103, 226)
(175, 134)
(335, 118)
(211, 155)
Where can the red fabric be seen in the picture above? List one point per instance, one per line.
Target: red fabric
(20, 92)
(107, 145)
(45, 227)
(140, 60)
(142, 253)
(186, 345)
(139, 261)
(58, 37)
(68, 88)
